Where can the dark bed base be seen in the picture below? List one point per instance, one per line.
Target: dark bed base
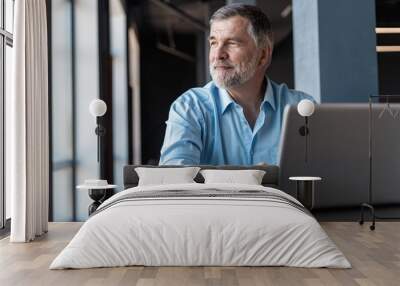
(270, 179)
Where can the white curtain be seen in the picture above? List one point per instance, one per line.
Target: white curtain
(27, 119)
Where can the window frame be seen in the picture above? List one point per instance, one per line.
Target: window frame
(6, 39)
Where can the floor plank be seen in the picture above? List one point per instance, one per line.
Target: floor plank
(375, 257)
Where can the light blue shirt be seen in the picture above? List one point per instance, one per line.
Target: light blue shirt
(206, 126)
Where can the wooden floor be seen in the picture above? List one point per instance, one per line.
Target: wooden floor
(375, 256)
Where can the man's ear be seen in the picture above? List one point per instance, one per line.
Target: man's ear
(265, 56)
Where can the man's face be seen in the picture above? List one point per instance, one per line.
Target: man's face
(234, 56)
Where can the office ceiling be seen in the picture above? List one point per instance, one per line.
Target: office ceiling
(279, 12)
(162, 18)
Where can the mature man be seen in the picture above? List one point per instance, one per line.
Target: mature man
(236, 118)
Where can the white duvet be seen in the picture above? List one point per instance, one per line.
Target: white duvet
(200, 231)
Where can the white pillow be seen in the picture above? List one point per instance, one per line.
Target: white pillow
(248, 177)
(165, 176)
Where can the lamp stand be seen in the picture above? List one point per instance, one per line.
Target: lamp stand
(304, 131)
(100, 132)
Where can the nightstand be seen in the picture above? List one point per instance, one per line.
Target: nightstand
(305, 190)
(97, 194)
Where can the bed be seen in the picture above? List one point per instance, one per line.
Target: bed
(201, 224)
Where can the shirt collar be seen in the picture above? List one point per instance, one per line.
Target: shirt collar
(269, 95)
(226, 99)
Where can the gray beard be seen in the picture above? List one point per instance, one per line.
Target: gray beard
(237, 77)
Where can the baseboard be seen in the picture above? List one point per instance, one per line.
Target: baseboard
(391, 212)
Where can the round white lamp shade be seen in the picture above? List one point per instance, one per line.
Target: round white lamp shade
(97, 107)
(305, 107)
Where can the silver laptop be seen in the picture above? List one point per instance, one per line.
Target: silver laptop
(338, 152)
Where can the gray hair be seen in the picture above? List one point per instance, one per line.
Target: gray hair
(259, 24)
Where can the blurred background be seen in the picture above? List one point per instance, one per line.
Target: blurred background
(139, 56)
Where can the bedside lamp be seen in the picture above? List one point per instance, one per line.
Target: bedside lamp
(305, 108)
(98, 108)
(97, 188)
(305, 184)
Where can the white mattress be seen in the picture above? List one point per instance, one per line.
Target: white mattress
(200, 231)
